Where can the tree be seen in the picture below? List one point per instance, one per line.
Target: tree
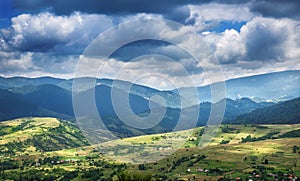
(295, 148)
(142, 167)
(126, 176)
(266, 161)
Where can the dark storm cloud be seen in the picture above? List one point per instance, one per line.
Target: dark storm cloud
(270, 39)
(171, 9)
(102, 7)
(277, 8)
(263, 44)
(49, 35)
(143, 47)
(179, 14)
(175, 10)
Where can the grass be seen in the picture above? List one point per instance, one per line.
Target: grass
(28, 136)
(157, 146)
(231, 159)
(34, 126)
(172, 153)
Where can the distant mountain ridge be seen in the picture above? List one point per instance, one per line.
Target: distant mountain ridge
(46, 96)
(13, 82)
(51, 100)
(14, 106)
(281, 113)
(271, 87)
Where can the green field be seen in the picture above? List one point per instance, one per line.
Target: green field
(52, 149)
(157, 146)
(232, 160)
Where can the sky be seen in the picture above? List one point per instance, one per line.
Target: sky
(247, 37)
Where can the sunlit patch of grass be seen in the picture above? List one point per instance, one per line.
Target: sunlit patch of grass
(30, 149)
(168, 148)
(167, 143)
(35, 126)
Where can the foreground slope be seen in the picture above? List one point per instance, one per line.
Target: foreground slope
(30, 135)
(262, 160)
(52, 149)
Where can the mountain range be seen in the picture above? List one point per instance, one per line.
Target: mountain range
(47, 96)
(270, 87)
(283, 112)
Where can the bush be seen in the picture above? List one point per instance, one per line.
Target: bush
(126, 176)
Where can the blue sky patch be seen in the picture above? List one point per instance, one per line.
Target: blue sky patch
(223, 25)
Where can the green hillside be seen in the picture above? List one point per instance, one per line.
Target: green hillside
(24, 136)
(52, 149)
(148, 145)
(49, 149)
(247, 160)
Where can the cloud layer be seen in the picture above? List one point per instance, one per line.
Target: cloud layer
(45, 41)
(261, 39)
(270, 8)
(46, 32)
(247, 37)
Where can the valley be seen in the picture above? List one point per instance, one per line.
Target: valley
(139, 90)
(30, 149)
(42, 139)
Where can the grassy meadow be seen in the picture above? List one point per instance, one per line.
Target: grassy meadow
(49, 148)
